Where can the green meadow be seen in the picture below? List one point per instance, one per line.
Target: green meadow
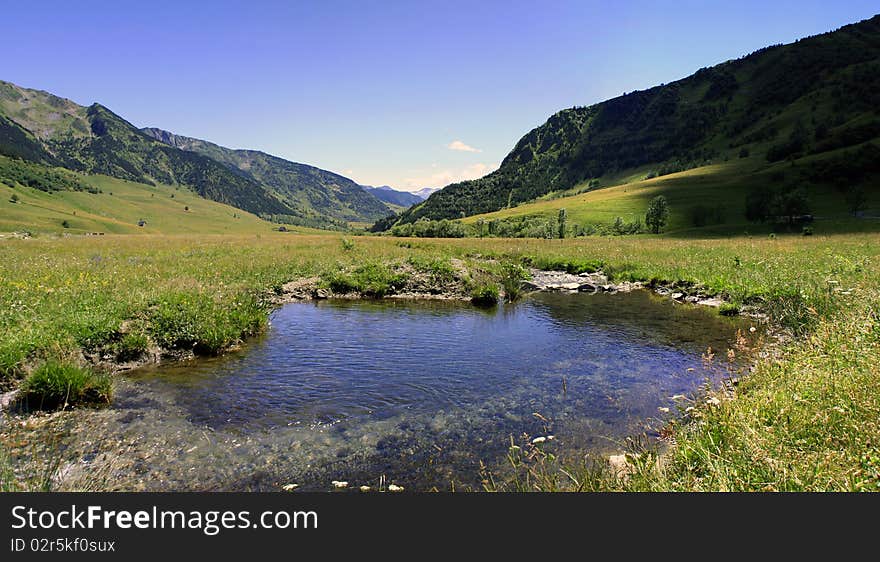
(806, 418)
(115, 206)
(723, 185)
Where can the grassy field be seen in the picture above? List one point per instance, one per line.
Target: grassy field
(118, 208)
(805, 419)
(725, 184)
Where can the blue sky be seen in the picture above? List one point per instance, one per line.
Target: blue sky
(409, 94)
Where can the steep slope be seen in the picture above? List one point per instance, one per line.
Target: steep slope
(392, 196)
(782, 102)
(93, 139)
(309, 191)
(18, 142)
(38, 198)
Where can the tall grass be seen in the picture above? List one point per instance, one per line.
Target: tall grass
(804, 420)
(204, 324)
(512, 276)
(57, 385)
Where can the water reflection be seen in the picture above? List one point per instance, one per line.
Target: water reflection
(423, 391)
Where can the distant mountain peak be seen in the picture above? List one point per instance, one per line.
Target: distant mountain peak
(393, 196)
(426, 192)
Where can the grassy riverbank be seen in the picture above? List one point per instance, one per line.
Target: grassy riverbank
(805, 419)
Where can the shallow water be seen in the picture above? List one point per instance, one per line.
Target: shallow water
(418, 392)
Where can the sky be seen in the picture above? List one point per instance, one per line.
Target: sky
(407, 94)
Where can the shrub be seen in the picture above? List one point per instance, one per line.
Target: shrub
(728, 309)
(199, 323)
(347, 245)
(14, 198)
(58, 385)
(485, 294)
(512, 276)
(856, 200)
(131, 346)
(426, 228)
(758, 202)
(787, 203)
(547, 263)
(65, 224)
(621, 228)
(438, 269)
(702, 215)
(371, 280)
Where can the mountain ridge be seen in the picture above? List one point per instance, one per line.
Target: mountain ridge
(308, 190)
(393, 196)
(816, 94)
(41, 127)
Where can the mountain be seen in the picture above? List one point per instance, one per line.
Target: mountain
(307, 190)
(805, 100)
(40, 127)
(38, 198)
(426, 192)
(392, 196)
(43, 128)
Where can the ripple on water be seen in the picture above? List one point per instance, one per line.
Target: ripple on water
(420, 392)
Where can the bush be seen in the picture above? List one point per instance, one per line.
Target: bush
(621, 228)
(728, 309)
(440, 270)
(197, 322)
(130, 346)
(14, 198)
(576, 267)
(758, 202)
(371, 280)
(58, 385)
(485, 294)
(702, 215)
(856, 200)
(425, 228)
(789, 203)
(512, 276)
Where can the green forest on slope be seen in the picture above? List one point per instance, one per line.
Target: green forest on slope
(785, 102)
(309, 191)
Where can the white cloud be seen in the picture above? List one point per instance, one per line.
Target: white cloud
(443, 177)
(462, 147)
